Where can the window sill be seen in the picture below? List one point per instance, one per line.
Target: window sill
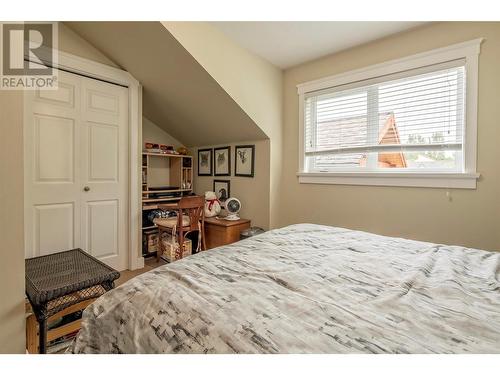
(434, 180)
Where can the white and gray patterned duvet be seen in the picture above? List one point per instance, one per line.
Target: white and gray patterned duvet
(306, 289)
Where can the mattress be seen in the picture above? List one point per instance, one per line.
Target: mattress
(306, 289)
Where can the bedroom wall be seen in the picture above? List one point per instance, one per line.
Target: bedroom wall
(71, 42)
(154, 134)
(253, 192)
(471, 218)
(11, 223)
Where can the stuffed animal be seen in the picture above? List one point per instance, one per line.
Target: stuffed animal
(212, 204)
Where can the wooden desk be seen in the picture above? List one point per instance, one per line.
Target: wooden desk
(219, 232)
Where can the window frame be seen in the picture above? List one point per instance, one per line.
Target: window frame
(469, 52)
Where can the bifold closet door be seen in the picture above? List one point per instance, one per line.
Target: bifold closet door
(103, 175)
(76, 169)
(51, 162)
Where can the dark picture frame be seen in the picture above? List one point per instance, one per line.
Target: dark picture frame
(222, 167)
(202, 159)
(241, 158)
(222, 184)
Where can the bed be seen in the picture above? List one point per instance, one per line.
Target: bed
(306, 288)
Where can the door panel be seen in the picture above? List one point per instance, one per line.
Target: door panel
(104, 153)
(64, 95)
(102, 102)
(76, 169)
(102, 233)
(54, 149)
(54, 228)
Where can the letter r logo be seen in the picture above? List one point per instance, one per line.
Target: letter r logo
(32, 40)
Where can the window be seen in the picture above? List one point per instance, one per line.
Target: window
(408, 122)
(413, 123)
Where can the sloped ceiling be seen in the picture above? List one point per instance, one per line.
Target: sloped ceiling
(179, 95)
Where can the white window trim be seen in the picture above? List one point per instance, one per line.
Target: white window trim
(469, 51)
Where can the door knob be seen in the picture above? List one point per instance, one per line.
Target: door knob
(86, 188)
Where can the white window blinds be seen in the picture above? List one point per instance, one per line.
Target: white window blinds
(412, 120)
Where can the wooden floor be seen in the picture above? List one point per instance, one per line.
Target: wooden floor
(149, 264)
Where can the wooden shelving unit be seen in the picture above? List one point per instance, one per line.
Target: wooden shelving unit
(171, 170)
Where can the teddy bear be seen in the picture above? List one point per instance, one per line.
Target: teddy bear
(212, 204)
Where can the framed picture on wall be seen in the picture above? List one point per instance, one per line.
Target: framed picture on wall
(205, 162)
(222, 161)
(222, 189)
(244, 157)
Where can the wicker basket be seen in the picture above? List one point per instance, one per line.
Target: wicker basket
(150, 241)
(170, 245)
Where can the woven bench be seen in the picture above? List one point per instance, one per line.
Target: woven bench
(58, 283)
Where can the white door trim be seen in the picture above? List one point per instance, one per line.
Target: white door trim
(92, 69)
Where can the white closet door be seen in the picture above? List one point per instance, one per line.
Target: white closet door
(76, 137)
(104, 177)
(51, 160)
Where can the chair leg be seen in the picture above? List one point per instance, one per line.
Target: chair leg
(179, 251)
(202, 235)
(159, 249)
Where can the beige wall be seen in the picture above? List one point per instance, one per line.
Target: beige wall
(254, 83)
(471, 218)
(11, 223)
(154, 134)
(71, 42)
(253, 192)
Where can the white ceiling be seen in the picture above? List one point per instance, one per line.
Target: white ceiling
(286, 44)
